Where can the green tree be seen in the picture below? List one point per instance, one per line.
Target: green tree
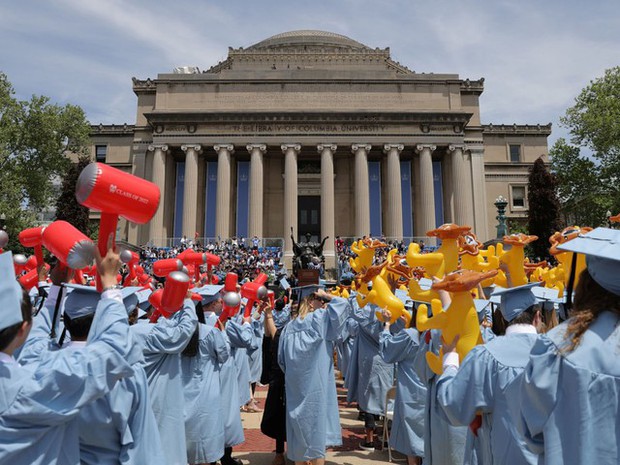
(35, 138)
(544, 208)
(67, 208)
(584, 196)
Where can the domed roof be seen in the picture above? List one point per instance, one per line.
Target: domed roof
(308, 37)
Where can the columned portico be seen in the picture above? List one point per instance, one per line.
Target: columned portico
(290, 152)
(462, 188)
(223, 208)
(425, 216)
(327, 202)
(479, 192)
(362, 191)
(190, 191)
(394, 211)
(156, 225)
(256, 188)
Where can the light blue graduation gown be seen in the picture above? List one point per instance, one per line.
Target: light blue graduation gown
(344, 345)
(38, 408)
(229, 389)
(281, 317)
(480, 386)
(570, 402)
(407, 435)
(204, 411)
(305, 354)
(211, 318)
(444, 444)
(255, 356)
(241, 338)
(162, 344)
(369, 377)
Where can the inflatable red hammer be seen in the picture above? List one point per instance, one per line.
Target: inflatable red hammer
(196, 259)
(31, 279)
(163, 268)
(131, 259)
(231, 299)
(69, 245)
(172, 296)
(33, 237)
(115, 193)
(19, 263)
(254, 291)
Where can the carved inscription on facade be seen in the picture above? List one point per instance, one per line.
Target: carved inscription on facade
(309, 128)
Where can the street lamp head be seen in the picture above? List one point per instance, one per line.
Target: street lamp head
(501, 199)
(608, 214)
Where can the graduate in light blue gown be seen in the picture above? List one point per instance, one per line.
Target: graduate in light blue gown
(204, 413)
(407, 433)
(481, 383)
(118, 427)
(162, 343)
(40, 404)
(241, 338)
(344, 345)
(229, 390)
(569, 402)
(305, 355)
(444, 444)
(369, 377)
(255, 356)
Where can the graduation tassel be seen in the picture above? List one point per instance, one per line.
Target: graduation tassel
(56, 310)
(569, 287)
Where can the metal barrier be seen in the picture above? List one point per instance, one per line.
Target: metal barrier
(170, 242)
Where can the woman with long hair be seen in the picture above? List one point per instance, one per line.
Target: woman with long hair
(305, 355)
(569, 394)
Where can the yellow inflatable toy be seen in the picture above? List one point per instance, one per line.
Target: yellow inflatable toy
(460, 318)
(472, 258)
(565, 259)
(365, 251)
(514, 259)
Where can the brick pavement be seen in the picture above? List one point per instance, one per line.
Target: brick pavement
(258, 449)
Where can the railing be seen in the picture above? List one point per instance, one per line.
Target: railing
(205, 241)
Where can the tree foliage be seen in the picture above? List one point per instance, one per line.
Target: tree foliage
(544, 208)
(67, 208)
(35, 137)
(588, 186)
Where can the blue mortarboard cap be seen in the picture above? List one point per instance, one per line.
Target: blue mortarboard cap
(143, 298)
(481, 304)
(82, 300)
(547, 294)
(425, 283)
(10, 293)
(304, 291)
(209, 293)
(601, 247)
(515, 300)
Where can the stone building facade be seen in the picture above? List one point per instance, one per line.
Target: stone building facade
(315, 131)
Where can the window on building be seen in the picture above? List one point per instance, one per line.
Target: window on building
(515, 153)
(518, 196)
(100, 152)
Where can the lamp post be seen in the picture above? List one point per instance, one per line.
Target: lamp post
(608, 216)
(3, 220)
(502, 228)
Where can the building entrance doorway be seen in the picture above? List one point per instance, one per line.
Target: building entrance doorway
(309, 217)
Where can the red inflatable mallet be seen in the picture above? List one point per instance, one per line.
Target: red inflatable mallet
(231, 299)
(33, 237)
(131, 259)
(163, 268)
(72, 248)
(254, 291)
(115, 193)
(172, 296)
(19, 263)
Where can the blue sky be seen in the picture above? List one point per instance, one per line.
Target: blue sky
(535, 56)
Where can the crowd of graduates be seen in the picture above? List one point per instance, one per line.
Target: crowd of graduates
(494, 360)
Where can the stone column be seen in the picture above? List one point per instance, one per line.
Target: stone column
(461, 181)
(290, 199)
(223, 202)
(156, 231)
(362, 191)
(393, 192)
(136, 231)
(327, 203)
(479, 193)
(425, 218)
(190, 190)
(256, 188)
